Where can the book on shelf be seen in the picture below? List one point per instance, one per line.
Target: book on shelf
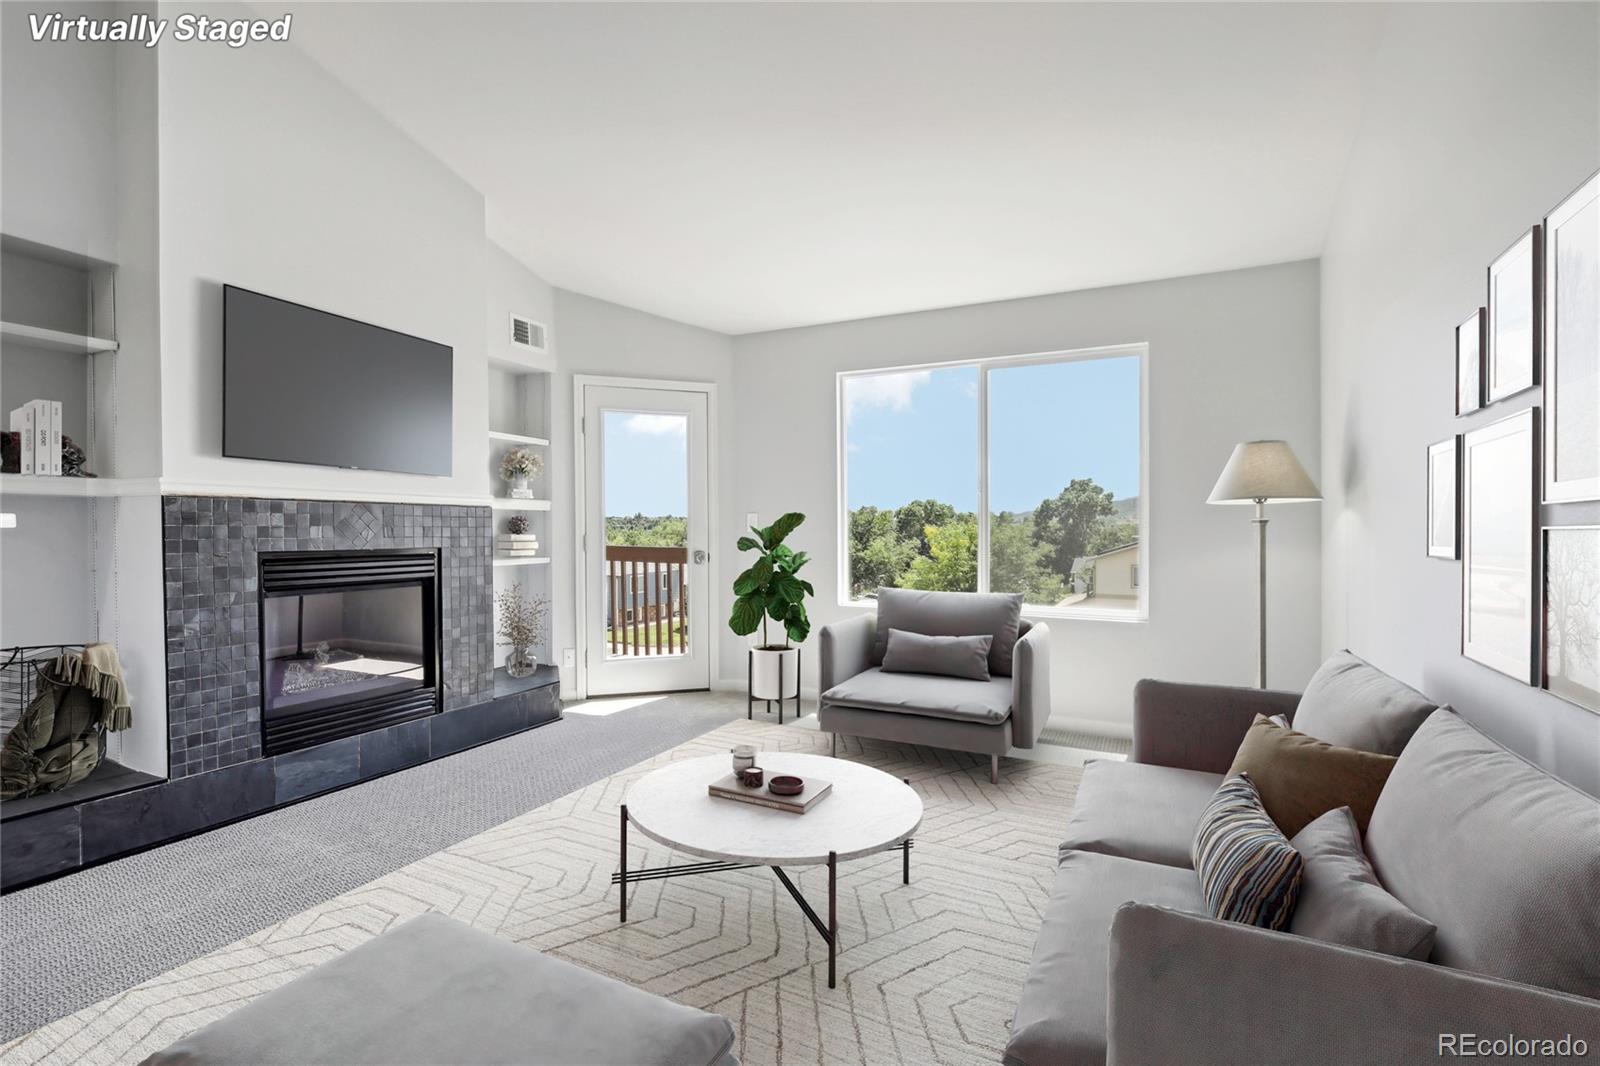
(520, 553)
(41, 436)
(514, 538)
(23, 420)
(55, 436)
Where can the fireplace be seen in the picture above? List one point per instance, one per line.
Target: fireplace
(350, 642)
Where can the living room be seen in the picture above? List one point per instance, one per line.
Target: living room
(409, 375)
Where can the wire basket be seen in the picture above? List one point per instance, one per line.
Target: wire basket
(19, 678)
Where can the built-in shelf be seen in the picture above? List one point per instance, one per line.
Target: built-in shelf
(54, 339)
(501, 503)
(530, 560)
(518, 438)
(81, 487)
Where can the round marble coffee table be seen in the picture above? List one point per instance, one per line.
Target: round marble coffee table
(867, 812)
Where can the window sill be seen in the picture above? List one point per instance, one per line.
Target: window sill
(1075, 614)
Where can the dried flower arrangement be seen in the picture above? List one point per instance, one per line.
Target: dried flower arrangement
(521, 620)
(520, 463)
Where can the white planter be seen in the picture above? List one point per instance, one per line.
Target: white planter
(764, 673)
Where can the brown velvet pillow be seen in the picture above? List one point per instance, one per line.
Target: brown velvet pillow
(1301, 778)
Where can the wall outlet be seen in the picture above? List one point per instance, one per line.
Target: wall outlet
(569, 658)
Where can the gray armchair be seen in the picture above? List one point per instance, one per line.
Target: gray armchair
(987, 717)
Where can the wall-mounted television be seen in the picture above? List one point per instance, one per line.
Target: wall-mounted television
(305, 386)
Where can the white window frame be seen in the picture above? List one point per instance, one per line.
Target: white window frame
(984, 365)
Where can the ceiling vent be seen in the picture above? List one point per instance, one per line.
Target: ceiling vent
(528, 334)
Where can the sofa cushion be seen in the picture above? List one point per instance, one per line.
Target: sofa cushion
(1501, 856)
(987, 702)
(1139, 811)
(435, 990)
(918, 653)
(1301, 778)
(1355, 705)
(1341, 901)
(1248, 872)
(1061, 1014)
(952, 614)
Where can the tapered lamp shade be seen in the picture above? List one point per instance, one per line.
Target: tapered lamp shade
(1264, 471)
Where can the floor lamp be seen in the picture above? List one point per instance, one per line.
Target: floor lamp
(1263, 472)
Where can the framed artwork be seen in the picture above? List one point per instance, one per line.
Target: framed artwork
(1572, 347)
(1499, 545)
(1444, 517)
(1469, 362)
(1572, 614)
(1510, 363)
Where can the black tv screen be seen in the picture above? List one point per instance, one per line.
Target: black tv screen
(305, 386)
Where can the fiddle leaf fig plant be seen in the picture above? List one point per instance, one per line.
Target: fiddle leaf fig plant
(771, 588)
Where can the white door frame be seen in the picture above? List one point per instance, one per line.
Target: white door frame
(580, 510)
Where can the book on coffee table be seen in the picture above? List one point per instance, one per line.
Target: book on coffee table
(729, 788)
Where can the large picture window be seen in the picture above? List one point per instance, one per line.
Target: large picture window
(1008, 475)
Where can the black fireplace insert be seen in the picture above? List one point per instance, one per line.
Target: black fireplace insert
(350, 642)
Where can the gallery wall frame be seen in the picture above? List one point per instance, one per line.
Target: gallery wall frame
(1444, 505)
(1571, 316)
(1570, 660)
(1511, 363)
(1469, 361)
(1500, 589)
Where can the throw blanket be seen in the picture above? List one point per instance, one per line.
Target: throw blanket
(61, 736)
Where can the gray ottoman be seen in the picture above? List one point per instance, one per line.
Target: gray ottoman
(436, 991)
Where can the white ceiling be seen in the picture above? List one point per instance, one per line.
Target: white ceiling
(753, 166)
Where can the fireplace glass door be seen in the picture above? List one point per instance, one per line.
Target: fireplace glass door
(340, 646)
(348, 644)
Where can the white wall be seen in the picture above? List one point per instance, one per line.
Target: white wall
(1480, 119)
(57, 108)
(277, 178)
(1233, 356)
(600, 338)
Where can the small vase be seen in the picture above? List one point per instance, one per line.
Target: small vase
(520, 490)
(521, 663)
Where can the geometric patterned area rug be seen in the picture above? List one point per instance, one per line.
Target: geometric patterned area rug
(927, 972)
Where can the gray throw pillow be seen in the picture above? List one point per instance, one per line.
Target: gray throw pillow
(913, 653)
(1353, 704)
(952, 614)
(1501, 856)
(1341, 901)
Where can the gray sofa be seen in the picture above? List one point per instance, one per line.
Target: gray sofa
(1501, 857)
(436, 991)
(988, 717)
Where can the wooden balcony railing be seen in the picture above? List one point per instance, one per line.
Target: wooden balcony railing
(647, 600)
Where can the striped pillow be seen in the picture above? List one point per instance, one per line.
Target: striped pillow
(1248, 872)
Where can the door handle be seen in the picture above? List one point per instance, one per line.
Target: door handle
(700, 557)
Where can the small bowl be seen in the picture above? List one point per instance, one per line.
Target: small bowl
(786, 785)
(750, 776)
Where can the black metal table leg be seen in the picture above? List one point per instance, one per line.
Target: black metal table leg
(905, 858)
(623, 869)
(833, 912)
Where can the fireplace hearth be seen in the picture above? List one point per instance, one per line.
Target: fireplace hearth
(349, 643)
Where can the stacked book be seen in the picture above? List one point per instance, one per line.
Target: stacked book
(37, 425)
(517, 545)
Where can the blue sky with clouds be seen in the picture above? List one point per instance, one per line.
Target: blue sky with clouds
(914, 435)
(646, 464)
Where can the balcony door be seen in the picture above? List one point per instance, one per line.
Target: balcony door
(645, 578)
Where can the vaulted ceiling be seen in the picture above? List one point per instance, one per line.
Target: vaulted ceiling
(754, 166)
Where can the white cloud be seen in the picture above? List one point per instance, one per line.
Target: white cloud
(657, 425)
(891, 392)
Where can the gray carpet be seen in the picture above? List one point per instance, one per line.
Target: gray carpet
(72, 942)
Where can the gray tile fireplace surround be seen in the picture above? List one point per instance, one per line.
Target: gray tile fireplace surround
(218, 773)
(211, 545)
